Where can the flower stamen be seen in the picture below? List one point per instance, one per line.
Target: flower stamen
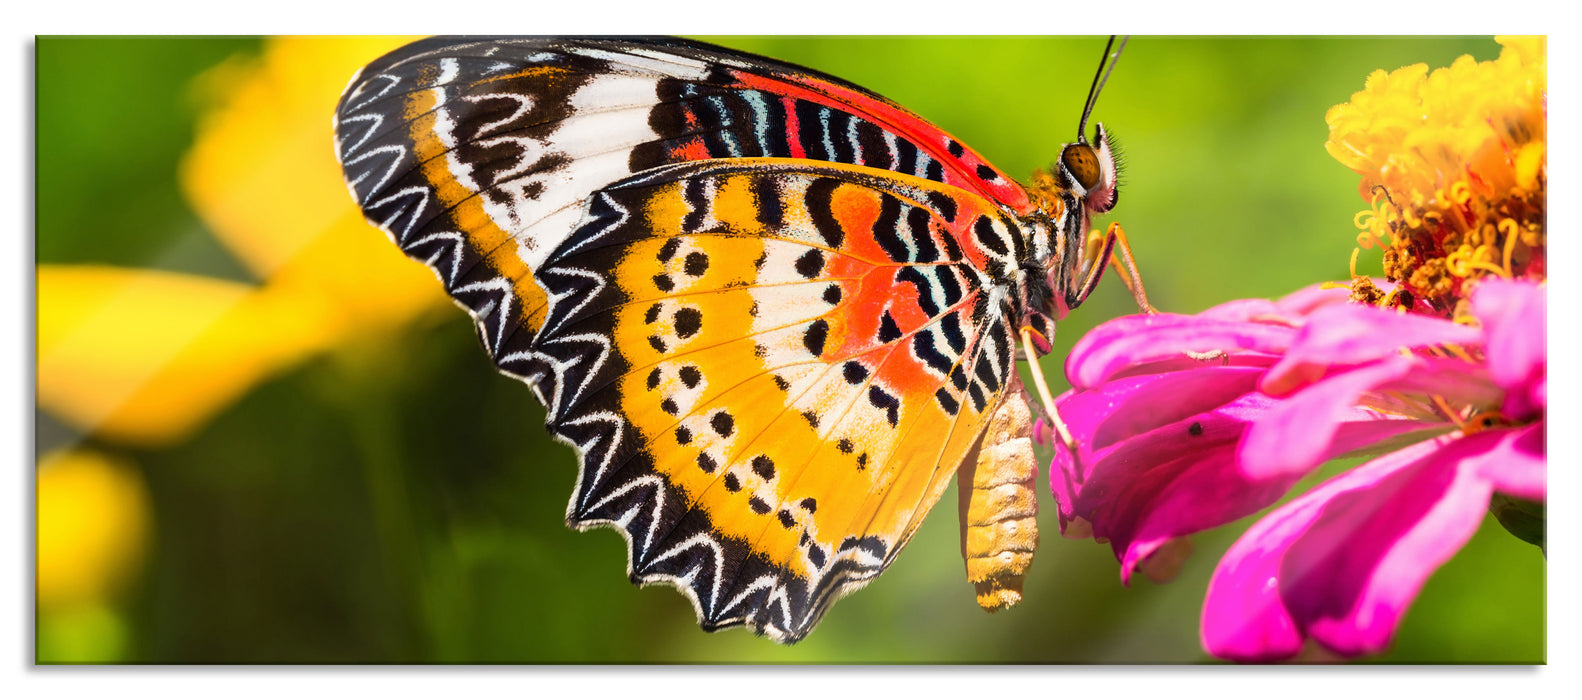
(1470, 165)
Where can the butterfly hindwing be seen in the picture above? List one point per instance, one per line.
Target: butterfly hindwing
(478, 156)
(771, 369)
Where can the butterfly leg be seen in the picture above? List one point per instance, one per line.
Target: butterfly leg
(1126, 267)
(1044, 396)
(1107, 250)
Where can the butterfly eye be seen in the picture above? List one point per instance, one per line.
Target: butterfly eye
(1083, 165)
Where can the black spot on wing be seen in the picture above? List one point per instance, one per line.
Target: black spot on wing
(984, 372)
(723, 424)
(948, 284)
(758, 505)
(771, 214)
(925, 297)
(958, 378)
(835, 128)
(690, 376)
(688, 322)
(819, 200)
(943, 204)
(947, 402)
(917, 221)
(904, 160)
(870, 544)
(815, 554)
(854, 372)
(810, 131)
(815, 335)
(811, 263)
(950, 326)
(764, 467)
(923, 348)
(888, 329)
(695, 194)
(988, 237)
(697, 263)
(886, 230)
(886, 402)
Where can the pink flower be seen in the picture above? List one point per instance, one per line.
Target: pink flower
(1185, 423)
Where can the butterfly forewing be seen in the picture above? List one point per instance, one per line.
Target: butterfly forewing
(477, 156)
(772, 369)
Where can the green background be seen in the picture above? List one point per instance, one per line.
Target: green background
(411, 509)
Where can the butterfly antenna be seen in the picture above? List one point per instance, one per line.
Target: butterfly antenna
(1100, 77)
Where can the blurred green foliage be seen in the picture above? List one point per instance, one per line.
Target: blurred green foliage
(409, 507)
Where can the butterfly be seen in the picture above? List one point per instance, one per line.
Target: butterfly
(773, 313)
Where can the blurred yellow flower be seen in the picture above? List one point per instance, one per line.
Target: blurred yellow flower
(93, 528)
(1455, 164)
(146, 357)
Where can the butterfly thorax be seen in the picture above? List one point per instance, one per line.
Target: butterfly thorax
(1065, 198)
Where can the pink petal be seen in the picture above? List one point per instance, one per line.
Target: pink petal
(1299, 433)
(1143, 490)
(1245, 310)
(1200, 490)
(1129, 408)
(1244, 617)
(1458, 382)
(1135, 405)
(1514, 460)
(1306, 300)
(1514, 318)
(1353, 334)
(1133, 340)
(1342, 562)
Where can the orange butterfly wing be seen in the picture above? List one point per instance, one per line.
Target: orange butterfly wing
(769, 366)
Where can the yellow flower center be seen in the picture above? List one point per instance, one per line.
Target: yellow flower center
(1454, 163)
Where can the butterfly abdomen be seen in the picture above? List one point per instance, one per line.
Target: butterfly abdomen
(999, 507)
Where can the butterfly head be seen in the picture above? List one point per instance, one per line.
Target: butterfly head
(1089, 171)
(1081, 185)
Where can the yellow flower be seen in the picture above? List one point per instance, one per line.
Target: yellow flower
(146, 357)
(93, 526)
(1456, 166)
